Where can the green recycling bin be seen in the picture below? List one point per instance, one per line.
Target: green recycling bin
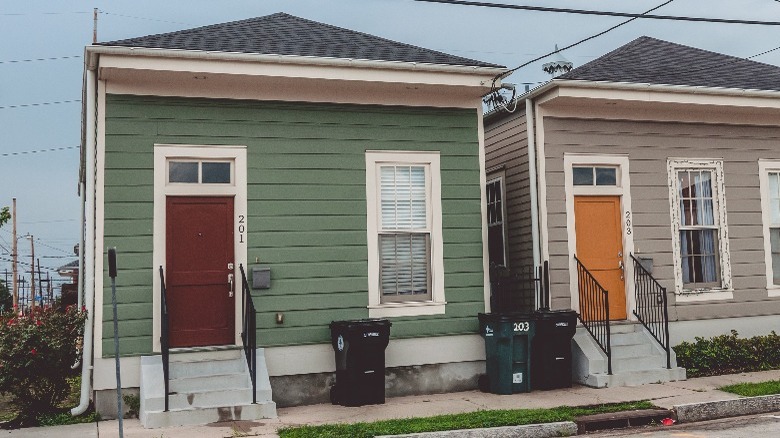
(508, 339)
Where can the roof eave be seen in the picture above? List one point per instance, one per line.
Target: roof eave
(94, 51)
(668, 88)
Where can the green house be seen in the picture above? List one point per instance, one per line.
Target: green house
(329, 174)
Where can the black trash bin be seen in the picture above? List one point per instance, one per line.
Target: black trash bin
(507, 351)
(551, 363)
(360, 361)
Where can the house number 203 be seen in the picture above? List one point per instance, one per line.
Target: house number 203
(522, 326)
(241, 227)
(628, 223)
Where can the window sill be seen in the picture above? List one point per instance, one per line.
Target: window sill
(773, 291)
(406, 309)
(710, 295)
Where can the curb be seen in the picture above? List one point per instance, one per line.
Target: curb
(693, 412)
(563, 428)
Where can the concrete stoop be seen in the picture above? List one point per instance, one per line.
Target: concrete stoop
(204, 387)
(637, 359)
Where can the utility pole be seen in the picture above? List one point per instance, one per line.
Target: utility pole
(15, 252)
(40, 282)
(94, 25)
(32, 274)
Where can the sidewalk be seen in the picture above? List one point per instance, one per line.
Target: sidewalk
(665, 395)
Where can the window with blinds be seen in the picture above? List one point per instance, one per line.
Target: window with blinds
(404, 233)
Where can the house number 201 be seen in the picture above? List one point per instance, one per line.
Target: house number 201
(241, 227)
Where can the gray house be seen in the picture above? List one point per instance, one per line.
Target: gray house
(348, 166)
(649, 180)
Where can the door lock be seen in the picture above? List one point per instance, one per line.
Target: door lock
(230, 281)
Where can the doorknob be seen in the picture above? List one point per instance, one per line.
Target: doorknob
(230, 281)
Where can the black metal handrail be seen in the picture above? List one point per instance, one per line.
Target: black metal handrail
(520, 289)
(651, 306)
(164, 335)
(594, 310)
(249, 331)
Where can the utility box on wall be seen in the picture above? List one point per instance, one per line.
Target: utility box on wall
(261, 277)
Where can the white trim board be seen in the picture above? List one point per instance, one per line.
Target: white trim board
(165, 152)
(319, 358)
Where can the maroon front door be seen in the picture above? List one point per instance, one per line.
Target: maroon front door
(199, 267)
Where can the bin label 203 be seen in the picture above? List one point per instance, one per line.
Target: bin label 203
(522, 326)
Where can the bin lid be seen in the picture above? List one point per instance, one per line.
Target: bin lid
(361, 323)
(505, 316)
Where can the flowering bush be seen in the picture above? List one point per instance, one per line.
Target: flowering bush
(36, 355)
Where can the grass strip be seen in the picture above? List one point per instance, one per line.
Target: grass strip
(470, 420)
(770, 387)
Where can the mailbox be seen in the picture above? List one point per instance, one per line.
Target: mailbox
(261, 277)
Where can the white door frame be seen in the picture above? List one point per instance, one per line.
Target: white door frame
(623, 190)
(162, 189)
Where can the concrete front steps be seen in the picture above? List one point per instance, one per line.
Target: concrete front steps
(204, 387)
(637, 359)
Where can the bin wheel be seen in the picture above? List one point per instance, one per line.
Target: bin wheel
(483, 382)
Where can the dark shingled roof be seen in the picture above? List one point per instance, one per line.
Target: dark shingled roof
(284, 34)
(651, 61)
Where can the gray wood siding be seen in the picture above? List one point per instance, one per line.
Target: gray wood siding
(506, 143)
(649, 145)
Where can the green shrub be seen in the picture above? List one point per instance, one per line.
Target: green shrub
(729, 354)
(36, 354)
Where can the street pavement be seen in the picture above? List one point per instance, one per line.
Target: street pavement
(665, 395)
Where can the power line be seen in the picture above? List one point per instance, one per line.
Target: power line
(26, 105)
(43, 13)
(508, 72)
(603, 13)
(15, 61)
(38, 151)
(135, 17)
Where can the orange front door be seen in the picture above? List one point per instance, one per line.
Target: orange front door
(598, 225)
(199, 261)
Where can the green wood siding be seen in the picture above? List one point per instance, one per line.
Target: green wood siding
(306, 207)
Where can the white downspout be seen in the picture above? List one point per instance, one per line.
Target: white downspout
(531, 129)
(89, 240)
(83, 195)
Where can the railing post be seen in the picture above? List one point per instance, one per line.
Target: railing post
(609, 340)
(666, 330)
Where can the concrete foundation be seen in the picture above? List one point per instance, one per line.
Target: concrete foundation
(105, 402)
(308, 389)
(747, 327)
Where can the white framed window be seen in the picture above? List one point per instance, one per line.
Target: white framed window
(405, 262)
(699, 229)
(769, 177)
(191, 171)
(496, 220)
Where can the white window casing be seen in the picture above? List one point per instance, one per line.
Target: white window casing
(706, 200)
(769, 177)
(408, 213)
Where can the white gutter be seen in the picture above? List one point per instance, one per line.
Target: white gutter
(683, 89)
(89, 241)
(531, 130)
(92, 53)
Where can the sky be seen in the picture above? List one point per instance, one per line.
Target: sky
(45, 183)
